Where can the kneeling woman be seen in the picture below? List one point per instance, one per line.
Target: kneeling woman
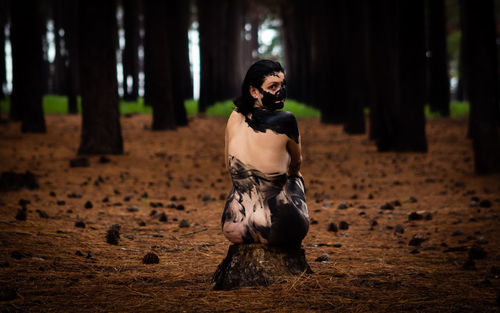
(263, 154)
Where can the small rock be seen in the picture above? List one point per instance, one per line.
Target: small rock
(414, 216)
(206, 198)
(7, 293)
(396, 203)
(495, 270)
(113, 235)
(16, 254)
(337, 245)
(89, 205)
(416, 240)
(387, 206)
(333, 227)
(42, 214)
(485, 203)
(10, 181)
(75, 195)
(184, 223)
(414, 251)
(24, 202)
(370, 196)
(222, 196)
(458, 232)
(127, 198)
(21, 214)
(5, 263)
(61, 202)
(180, 207)
(343, 225)
(79, 162)
(323, 258)
(151, 258)
(152, 213)
(399, 229)
(481, 240)
(477, 252)
(313, 221)
(473, 204)
(80, 224)
(52, 194)
(142, 223)
(342, 205)
(78, 253)
(469, 265)
(144, 195)
(412, 199)
(163, 217)
(104, 159)
(133, 208)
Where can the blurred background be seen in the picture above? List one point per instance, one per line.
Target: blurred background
(378, 67)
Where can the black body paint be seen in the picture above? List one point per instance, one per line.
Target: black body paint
(281, 122)
(269, 206)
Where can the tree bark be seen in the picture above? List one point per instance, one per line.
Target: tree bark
(399, 74)
(60, 69)
(159, 69)
(258, 265)
(178, 18)
(3, 72)
(101, 130)
(70, 9)
(439, 86)
(356, 74)
(480, 62)
(130, 52)
(27, 29)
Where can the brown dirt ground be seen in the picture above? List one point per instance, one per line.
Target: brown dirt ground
(373, 269)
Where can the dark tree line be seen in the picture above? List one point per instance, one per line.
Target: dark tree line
(85, 64)
(390, 56)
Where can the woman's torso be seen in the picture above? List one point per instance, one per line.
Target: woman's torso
(263, 149)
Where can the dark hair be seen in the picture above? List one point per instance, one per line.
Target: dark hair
(255, 77)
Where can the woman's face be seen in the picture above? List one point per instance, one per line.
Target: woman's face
(272, 84)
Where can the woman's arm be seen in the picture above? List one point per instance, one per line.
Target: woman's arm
(226, 157)
(295, 151)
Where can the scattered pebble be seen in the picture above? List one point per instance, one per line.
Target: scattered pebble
(184, 223)
(16, 254)
(313, 221)
(5, 263)
(7, 293)
(342, 205)
(89, 205)
(142, 223)
(323, 258)
(163, 217)
(412, 199)
(21, 214)
(75, 195)
(24, 202)
(180, 207)
(485, 203)
(343, 225)
(78, 253)
(387, 206)
(133, 208)
(469, 265)
(10, 181)
(416, 240)
(113, 234)
(458, 232)
(42, 214)
(333, 227)
(151, 258)
(61, 202)
(80, 224)
(399, 229)
(477, 252)
(79, 162)
(104, 159)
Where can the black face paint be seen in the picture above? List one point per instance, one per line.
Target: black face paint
(269, 101)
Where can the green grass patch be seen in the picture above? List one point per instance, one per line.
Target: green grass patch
(54, 104)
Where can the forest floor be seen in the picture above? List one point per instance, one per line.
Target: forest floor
(47, 263)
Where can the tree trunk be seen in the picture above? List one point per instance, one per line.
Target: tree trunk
(439, 86)
(3, 72)
(130, 52)
(258, 265)
(27, 28)
(71, 38)
(159, 70)
(178, 18)
(356, 74)
(482, 81)
(60, 70)
(207, 21)
(399, 72)
(101, 130)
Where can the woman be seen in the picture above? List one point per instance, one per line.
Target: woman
(263, 154)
